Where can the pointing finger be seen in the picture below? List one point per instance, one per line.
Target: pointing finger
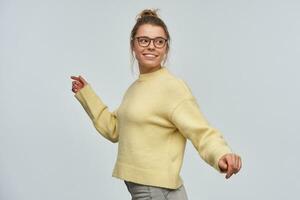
(230, 168)
(75, 78)
(229, 173)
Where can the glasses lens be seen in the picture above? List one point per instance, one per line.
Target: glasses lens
(143, 41)
(160, 42)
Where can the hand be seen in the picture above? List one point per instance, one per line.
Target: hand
(230, 164)
(78, 83)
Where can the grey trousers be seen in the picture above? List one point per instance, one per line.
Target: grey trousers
(147, 192)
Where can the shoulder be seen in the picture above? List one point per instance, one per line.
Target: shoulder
(178, 88)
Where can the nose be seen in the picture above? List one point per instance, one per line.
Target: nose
(151, 45)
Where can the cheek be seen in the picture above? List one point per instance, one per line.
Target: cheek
(137, 50)
(162, 53)
(137, 54)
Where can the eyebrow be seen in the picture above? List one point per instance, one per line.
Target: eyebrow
(152, 38)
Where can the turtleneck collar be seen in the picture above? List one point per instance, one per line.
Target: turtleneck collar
(154, 74)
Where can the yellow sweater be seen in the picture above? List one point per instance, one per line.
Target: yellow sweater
(158, 113)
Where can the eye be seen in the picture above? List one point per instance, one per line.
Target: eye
(160, 41)
(143, 40)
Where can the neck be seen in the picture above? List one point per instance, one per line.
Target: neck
(144, 70)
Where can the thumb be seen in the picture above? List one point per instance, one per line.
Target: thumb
(223, 165)
(83, 80)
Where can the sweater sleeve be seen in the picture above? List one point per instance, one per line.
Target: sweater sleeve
(191, 123)
(103, 120)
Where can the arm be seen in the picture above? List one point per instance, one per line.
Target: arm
(208, 141)
(103, 120)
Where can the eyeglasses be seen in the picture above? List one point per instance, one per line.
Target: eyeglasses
(144, 41)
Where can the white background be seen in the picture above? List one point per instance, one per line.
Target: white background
(240, 58)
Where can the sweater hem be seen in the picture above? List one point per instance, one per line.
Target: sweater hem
(151, 177)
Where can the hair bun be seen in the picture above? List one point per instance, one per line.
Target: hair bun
(148, 12)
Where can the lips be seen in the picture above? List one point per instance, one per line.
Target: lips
(150, 55)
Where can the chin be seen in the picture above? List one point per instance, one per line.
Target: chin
(148, 67)
(150, 64)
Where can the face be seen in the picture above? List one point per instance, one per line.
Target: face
(150, 57)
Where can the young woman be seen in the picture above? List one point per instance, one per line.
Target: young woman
(158, 113)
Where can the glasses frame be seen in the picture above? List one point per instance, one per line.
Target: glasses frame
(151, 39)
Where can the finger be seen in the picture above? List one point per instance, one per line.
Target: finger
(238, 167)
(240, 164)
(75, 78)
(77, 83)
(84, 82)
(230, 168)
(229, 173)
(223, 165)
(236, 164)
(74, 85)
(236, 161)
(74, 90)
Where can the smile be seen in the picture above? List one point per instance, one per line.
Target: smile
(148, 55)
